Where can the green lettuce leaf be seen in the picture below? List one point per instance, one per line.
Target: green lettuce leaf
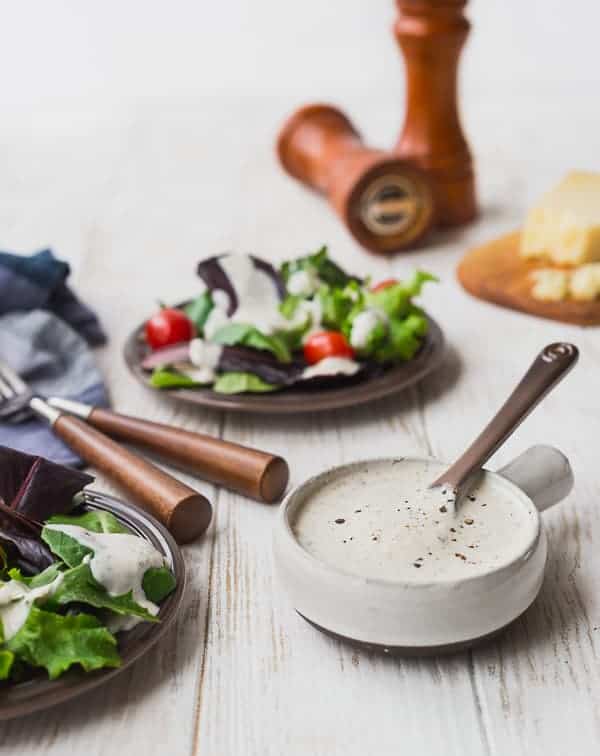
(96, 521)
(36, 581)
(79, 586)
(65, 547)
(56, 642)
(340, 304)
(166, 378)
(289, 306)
(199, 309)
(6, 661)
(395, 300)
(240, 334)
(404, 338)
(328, 271)
(238, 383)
(158, 583)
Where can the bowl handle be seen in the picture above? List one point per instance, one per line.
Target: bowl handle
(543, 473)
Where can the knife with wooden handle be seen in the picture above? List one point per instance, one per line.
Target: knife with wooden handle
(253, 473)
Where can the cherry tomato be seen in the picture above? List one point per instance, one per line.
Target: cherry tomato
(384, 284)
(326, 344)
(168, 326)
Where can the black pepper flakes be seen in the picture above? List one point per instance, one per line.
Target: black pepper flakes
(461, 556)
(443, 508)
(340, 521)
(416, 564)
(469, 520)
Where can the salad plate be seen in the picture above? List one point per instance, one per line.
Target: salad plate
(302, 337)
(297, 400)
(39, 692)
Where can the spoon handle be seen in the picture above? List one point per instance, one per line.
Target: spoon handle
(548, 368)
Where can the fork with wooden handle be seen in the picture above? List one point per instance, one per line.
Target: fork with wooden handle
(251, 472)
(184, 511)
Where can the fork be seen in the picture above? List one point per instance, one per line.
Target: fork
(184, 511)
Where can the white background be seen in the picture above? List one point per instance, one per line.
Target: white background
(312, 48)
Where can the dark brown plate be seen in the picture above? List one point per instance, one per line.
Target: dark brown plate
(41, 693)
(297, 399)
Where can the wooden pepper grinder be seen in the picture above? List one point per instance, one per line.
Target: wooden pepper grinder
(390, 200)
(385, 201)
(431, 34)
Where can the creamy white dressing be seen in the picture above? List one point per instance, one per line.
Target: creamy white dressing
(303, 283)
(16, 599)
(204, 356)
(363, 325)
(331, 366)
(380, 520)
(310, 308)
(257, 294)
(217, 318)
(220, 299)
(119, 563)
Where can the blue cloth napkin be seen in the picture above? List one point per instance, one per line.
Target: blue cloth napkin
(45, 335)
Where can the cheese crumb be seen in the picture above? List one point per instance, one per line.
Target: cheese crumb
(582, 284)
(550, 285)
(585, 283)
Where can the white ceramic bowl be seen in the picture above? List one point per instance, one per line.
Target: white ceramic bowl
(418, 617)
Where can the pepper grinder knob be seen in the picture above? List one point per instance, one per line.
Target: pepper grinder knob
(385, 201)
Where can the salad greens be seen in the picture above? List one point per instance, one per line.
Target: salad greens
(56, 613)
(320, 263)
(199, 309)
(266, 322)
(57, 642)
(247, 335)
(238, 383)
(167, 378)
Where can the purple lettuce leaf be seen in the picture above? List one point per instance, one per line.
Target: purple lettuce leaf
(215, 277)
(20, 536)
(31, 490)
(239, 359)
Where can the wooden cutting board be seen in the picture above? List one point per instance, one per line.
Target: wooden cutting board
(497, 273)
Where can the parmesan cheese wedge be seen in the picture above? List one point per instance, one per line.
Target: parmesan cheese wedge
(564, 228)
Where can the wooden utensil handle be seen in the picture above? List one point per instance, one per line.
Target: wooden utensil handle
(185, 512)
(251, 472)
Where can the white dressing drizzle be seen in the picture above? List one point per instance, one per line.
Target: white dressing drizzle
(119, 563)
(362, 326)
(303, 283)
(16, 599)
(258, 298)
(204, 356)
(331, 366)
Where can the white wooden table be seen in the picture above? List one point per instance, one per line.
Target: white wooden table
(133, 196)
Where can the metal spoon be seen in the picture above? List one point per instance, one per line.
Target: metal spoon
(548, 369)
